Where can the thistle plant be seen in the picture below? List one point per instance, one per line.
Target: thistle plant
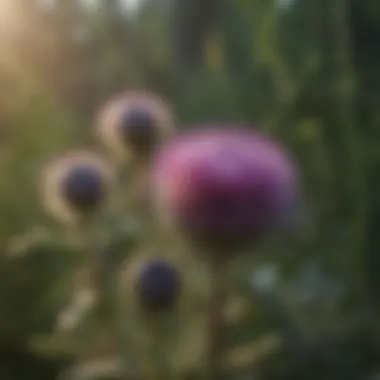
(222, 189)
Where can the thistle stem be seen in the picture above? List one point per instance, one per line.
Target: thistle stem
(215, 321)
(97, 279)
(90, 256)
(159, 364)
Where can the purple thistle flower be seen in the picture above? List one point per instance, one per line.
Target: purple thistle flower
(227, 187)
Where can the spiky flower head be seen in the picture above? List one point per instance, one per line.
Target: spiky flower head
(157, 285)
(223, 186)
(153, 283)
(76, 185)
(133, 123)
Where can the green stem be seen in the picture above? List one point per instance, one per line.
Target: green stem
(98, 277)
(159, 364)
(216, 322)
(129, 346)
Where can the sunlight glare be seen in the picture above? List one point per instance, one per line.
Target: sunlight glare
(9, 19)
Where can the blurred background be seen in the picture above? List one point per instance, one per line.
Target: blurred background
(307, 71)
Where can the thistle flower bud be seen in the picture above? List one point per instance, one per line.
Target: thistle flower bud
(76, 185)
(132, 124)
(223, 187)
(157, 285)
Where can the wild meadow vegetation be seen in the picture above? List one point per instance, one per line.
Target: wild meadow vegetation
(189, 189)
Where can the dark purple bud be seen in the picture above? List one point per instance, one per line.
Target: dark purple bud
(133, 123)
(83, 187)
(157, 286)
(76, 184)
(139, 128)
